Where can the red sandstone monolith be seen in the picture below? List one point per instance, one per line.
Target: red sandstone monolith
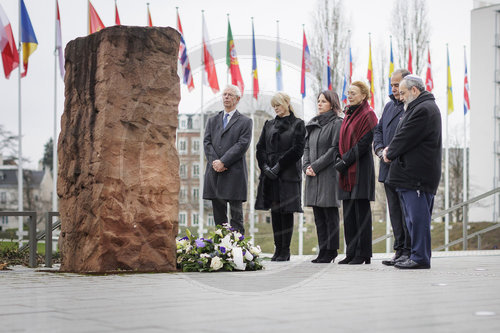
(118, 177)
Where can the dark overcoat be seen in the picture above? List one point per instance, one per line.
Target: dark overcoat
(384, 131)
(284, 144)
(415, 150)
(228, 145)
(322, 133)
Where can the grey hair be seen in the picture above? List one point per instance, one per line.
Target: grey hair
(414, 81)
(234, 88)
(403, 71)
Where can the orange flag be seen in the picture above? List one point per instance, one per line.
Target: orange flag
(150, 22)
(95, 23)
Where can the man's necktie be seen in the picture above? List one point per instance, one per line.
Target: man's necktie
(224, 122)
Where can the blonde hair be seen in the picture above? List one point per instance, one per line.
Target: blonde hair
(363, 87)
(281, 98)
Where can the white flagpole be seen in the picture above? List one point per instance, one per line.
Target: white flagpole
(252, 157)
(301, 215)
(201, 176)
(54, 140)
(446, 161)
(20, 140)
(465, 212)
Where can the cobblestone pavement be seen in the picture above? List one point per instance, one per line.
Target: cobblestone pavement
(461, 293)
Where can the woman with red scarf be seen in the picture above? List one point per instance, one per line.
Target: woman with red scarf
(357, 175)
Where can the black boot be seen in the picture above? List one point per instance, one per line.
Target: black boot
(277, 251)
(278, 244)
(284, 255)
(359, 261)
(320, 255)
(286, 236)
(329, 256)
(346, 260)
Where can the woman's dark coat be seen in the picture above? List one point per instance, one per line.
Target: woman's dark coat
(281, 141)
(322, 133)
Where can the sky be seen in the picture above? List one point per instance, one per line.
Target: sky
(364, 16)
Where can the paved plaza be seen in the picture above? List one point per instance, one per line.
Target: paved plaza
(461, 293)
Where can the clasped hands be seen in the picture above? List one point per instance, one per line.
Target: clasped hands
(310, 171)
(272, 173)
(218, 166)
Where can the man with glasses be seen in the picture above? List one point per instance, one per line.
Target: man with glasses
(227, 138)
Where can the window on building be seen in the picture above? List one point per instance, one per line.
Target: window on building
(182, 194)
(194, 219)
(211, 221)
(268, 219)
(196, 145)
(183, 171)
(5, 220)
(3, 197)
(196, 170)
(190, 123)
(183, 123)
(182, 219)
(182, 146)
(196, 194)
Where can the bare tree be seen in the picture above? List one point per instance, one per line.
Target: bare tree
(8, 143)
(328, 27)
(410, 26)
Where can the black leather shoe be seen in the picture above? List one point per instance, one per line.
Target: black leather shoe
(397, 257)
(321, 254)
(345, 261)
(359, 261)
(403, 258)
(410, 264)
(329, 257)
(284, 255)
(276, 255)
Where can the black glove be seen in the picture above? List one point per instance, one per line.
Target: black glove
(341, 166)
(276, 169)
(269, 172)
(380, 153)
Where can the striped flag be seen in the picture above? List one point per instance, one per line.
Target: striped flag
(410, 60)
(279, 73)
(449, 88)
(255, 76)
(209, 74)
(232, 60)
(327, 72)
(429, 82)
(466, 87)
(347, 74)
(117, 16)
(391, 69)
(150, 21)
(59, 41)
(95, 23)
(10, 56)
(187, 75)
(28, 38)
(306, 64)
(369, 75)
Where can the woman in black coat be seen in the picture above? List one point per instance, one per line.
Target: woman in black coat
(321, 191)
(357, 174)
(279, 153)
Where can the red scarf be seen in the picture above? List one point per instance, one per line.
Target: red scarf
(354, 127)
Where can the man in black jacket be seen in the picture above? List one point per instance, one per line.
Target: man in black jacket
(415, 171)
(383, 134)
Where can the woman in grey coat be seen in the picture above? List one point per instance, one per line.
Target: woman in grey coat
(321, 191)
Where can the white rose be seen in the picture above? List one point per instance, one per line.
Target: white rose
(255, 250)
(216, 263)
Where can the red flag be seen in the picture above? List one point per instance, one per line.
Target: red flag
(466, 87)
(369, 76)
(10, 56)
(255, 76)
(117, 17)
(210, 74)
(187, 75)
(95, 23)
(306, 64)
(232, 60)
(410, 66)
(59, 45)
(150, 22)
(429, 83)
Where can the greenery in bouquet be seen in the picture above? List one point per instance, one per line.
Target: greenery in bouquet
(225, 249)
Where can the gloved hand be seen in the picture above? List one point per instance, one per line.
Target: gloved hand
(276, 169)
(380, 153)
(269, 173)
(341, 166)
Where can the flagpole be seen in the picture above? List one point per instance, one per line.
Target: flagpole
(465, 216)
(446, 161)
(252, 158)
(301, 215)
(54, 140)
(202, 174)
(227, 70)
(20, 140)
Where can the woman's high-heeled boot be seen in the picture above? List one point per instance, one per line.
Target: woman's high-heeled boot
(359, 261)
(320, 255)
(345, 261)
(329, 256)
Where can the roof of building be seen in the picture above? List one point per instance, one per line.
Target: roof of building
(8, 177)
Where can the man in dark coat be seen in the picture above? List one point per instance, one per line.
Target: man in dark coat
(227, 138)
(415, 171)
(384, 132)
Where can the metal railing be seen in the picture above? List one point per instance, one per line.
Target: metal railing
(465, 236)
(32, 242)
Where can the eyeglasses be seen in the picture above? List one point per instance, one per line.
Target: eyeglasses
(228, 95)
